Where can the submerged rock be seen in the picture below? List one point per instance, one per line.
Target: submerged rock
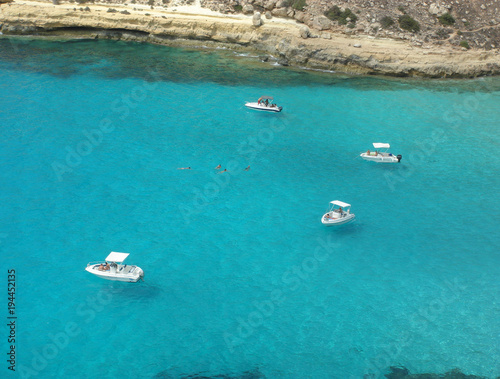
(283, 61)
(253, 374)
(404, 373)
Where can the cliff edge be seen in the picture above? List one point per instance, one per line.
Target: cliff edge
(292, 42)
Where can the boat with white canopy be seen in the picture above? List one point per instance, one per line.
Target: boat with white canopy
(339, 213)
(382, 156)
(112, 268)
(265, 103)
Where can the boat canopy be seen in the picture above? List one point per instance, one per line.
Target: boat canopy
(266, 98)
(378, 145)
(116, 257)
(340, 203)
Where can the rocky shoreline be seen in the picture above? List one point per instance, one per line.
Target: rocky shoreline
(292, 43)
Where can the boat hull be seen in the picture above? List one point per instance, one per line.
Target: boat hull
(337, 221)
(263, 107)
(380, 158)
(115, 276)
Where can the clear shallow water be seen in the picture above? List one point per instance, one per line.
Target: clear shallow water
(241, 277)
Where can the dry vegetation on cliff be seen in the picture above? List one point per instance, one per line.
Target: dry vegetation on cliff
(474, 21)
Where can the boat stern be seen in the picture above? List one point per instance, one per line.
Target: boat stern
(140, 273)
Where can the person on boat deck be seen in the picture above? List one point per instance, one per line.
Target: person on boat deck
(101, 267)
(340, 210)
(368, 152)
(267, 103)
(106, 268)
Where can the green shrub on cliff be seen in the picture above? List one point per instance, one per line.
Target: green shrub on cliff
(443, 33)
(335, 14)
(386, 22)
(408, 23)
(298, 5)
(465, 44)
(237, 8)
(446, 19)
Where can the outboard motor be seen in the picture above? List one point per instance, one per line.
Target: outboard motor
(141, 274)
(399, 156)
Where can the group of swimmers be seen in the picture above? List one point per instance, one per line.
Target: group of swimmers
(225, 170)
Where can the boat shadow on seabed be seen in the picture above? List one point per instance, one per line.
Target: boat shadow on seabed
(143, 292)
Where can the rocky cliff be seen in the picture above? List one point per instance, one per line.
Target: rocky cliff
(452, 22)
(345, 39)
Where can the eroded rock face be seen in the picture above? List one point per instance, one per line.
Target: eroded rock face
(321, 23)
(248, 8)
(480, 19)
(437, 10)
(280, 12)
(269, 5)
(304, 31)
(256, 19)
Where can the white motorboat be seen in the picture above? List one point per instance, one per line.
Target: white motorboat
(265, 103)
(338, 214)
(114, 269)
(381, 156)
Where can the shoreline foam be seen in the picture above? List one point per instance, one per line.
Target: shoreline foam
(282, 38)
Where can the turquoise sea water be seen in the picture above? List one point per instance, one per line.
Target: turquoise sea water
(241, 276)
